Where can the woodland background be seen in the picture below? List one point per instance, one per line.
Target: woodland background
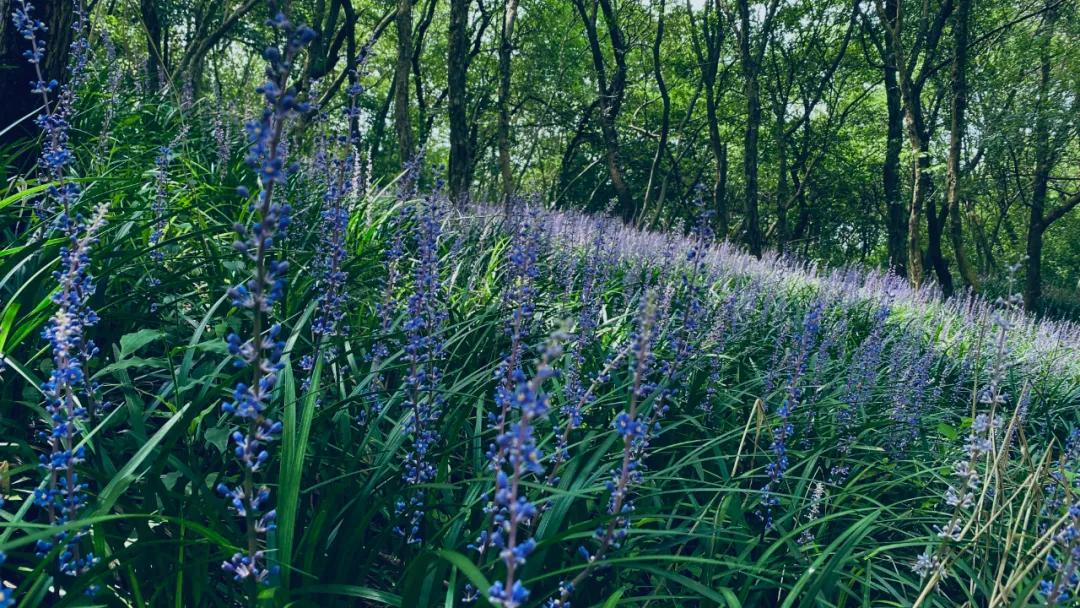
(938, 138)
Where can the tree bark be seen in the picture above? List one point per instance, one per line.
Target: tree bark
(610, 95)
(506, 41)
(16, 102)
(154, 49)
(402, 121)
(956, 134)
(919, 135)
(709, 60)
(424, 120)
(752, 93)
(751, 53)
(665, 118)
(1041, 178)
(890, 173)
(457, 72)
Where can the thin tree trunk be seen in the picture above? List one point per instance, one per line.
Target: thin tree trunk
(956, 133)
(457, 71)
(423, 119)
(709, 59)
(154, 49)
(402, 122)
(752, 93)
(610, 95)
(506, 41)
(665, 119)
(1041, 179)
(781, 179)
(894, 205)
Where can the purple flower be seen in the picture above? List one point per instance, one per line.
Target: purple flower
(518, 457)
(261, 351)
(7, 596)
(426, 316)
(861, 379)
(796, 361)
(1064, 563)
(161, 202)
(632, 432)
(112, 89)
(68, 392)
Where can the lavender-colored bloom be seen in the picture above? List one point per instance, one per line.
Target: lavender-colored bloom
(797, 362)
(220, 131)
(68, 391)
(519, 458)
(723, 327)
(386, 309)
(520, 295)
(913, 391)
(596, 269)
(968, 485)
(1063, 563)
(632, 431)
(861, 379)
(112, 89)
(519, 299)
(426, 316)
(331, 256)
(261, 352)
(161, 202)
(56, 154)
(7, 596)
(813, 512)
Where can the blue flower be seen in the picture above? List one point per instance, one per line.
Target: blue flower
(68, 393)
(515, 456)
(57, 105)
(861, 380)
(795, 361)
(261, 351)
(425, 349)
(7, 596)
(161, 202)
(516, 596)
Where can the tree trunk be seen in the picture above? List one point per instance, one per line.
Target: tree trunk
(935, 231)
(154, 49)
(610, 95)
(457, 70)
(894, 205)
(423, 119)
(720, 192)
(956, 133)
(709, 59)
(781, 179)
(1041, 179)
(751, 90)
(506, 42)
(16, 73)
(912, 76)
(665, 119)
(402, 122)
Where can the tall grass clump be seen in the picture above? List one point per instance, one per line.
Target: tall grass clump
(250, 373)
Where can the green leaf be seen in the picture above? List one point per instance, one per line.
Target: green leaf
(947, 431)
(130, 343)
(365, 593)
(466, 566)
(126, 475)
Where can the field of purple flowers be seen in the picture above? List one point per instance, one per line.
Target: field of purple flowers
(238, 370)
